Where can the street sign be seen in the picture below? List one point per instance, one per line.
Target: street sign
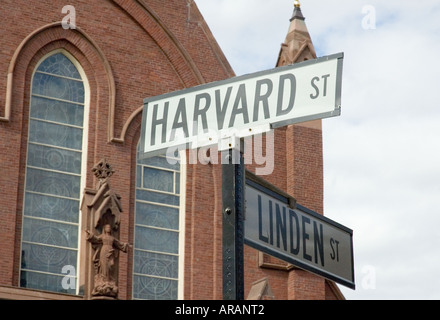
(242, 106)
(276, 225)
(222, 113)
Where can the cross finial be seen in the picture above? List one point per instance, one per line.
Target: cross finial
(103, 170)
(297, 14)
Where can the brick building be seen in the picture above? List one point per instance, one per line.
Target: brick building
(72, 90)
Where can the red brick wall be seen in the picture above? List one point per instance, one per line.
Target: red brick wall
(151, 47)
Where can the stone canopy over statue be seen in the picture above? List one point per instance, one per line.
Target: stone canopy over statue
(104, 209)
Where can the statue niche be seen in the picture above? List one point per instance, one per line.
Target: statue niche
(104, 212)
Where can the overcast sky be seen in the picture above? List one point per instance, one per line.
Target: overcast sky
(382, 155)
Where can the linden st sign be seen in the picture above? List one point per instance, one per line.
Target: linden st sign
(276, 225)
(242, 106)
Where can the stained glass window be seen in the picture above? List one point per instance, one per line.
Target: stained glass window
(156, 242)
(50, 232)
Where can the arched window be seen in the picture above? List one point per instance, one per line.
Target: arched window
(158, 242)
(55, 164)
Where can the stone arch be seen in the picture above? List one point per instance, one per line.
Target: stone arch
(78, 41)
(175, 52)
(168, 43)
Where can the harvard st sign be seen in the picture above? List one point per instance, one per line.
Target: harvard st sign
(242, 106)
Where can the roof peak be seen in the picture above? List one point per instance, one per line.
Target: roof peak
(298, 45)
(297, 14)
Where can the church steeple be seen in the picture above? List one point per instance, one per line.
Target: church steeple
(298, 45)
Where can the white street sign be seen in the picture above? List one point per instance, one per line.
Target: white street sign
(242, 106)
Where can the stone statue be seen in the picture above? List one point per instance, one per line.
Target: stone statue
(104, 213)
(106, 249)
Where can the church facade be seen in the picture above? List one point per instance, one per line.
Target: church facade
(74, 79)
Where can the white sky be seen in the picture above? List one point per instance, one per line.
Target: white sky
(382, 155)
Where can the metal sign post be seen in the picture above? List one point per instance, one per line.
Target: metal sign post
(233, 186)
